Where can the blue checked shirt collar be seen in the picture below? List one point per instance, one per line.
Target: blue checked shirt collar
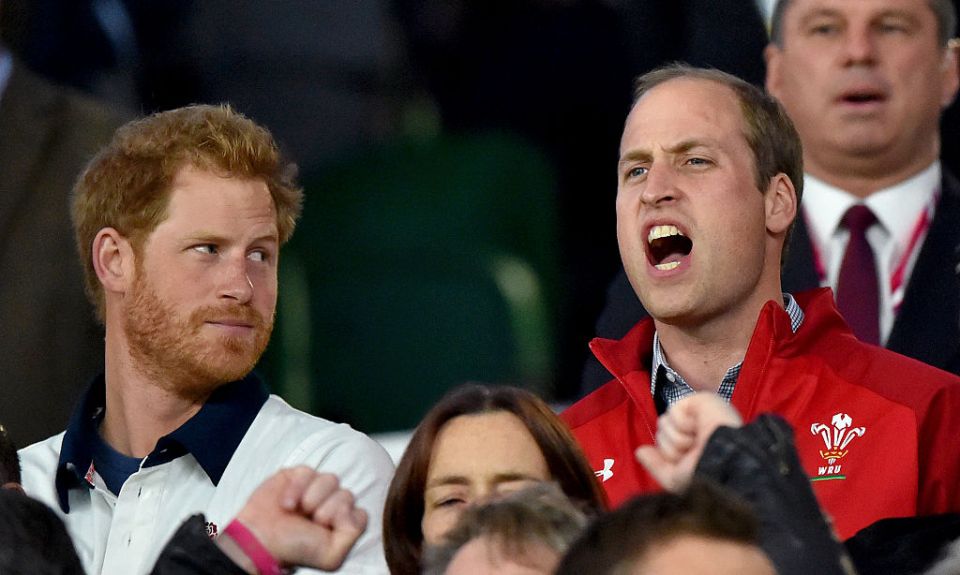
(672, 386)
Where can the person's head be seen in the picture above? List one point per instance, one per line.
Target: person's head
(709, 182)
(33, 539)
(9, 462)
(178, 222)
(865, 82)
(476, 443)
(523, 533)
(702, 530)
(949, 562)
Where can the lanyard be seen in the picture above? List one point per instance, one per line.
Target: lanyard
(897, 279)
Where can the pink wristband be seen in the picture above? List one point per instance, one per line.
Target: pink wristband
(251, 546)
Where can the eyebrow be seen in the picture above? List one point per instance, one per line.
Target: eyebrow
(827, 12)
(446, 480)
(898, 13)
(214, 238)
(678, 148)
(819, 12)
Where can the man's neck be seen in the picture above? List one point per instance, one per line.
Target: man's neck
(139, 411)
(702, 354)
(862, 176)
(701, 361)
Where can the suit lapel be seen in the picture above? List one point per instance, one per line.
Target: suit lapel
(927, 324)
(800, 272)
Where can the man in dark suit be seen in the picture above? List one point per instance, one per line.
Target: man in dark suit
(50, 343)
(865, 87)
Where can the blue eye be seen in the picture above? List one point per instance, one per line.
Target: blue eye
(206, 248)
(698, 162)
(823, 28)
(637, 172)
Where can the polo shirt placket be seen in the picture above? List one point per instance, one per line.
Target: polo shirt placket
(209, 465)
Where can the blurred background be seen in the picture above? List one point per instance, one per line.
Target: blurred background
(458, 159)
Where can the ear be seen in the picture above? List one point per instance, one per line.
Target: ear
(949, 74)
(113, 260)
(773, 56)
(780, 203)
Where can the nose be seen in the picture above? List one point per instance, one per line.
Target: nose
(236, 284)
(660, 186)
(481, 494)
(858, 46)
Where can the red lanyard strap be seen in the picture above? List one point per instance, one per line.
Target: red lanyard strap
(897, 278)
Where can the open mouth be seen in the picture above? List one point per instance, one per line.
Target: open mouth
(667, 246)
(861, 97)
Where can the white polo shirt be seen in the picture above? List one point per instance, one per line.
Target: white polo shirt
(210, 465)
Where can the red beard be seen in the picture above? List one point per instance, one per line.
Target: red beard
(186, 355)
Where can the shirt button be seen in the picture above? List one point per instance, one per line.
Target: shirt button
(671, 378)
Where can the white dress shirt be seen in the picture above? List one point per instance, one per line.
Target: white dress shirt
(899, 210)
(766, 10)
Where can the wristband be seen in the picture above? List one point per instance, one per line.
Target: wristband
(251, 546)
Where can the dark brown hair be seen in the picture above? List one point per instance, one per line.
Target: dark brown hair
(616, 541)
(402, 535)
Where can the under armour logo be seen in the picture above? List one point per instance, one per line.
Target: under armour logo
(606, 472)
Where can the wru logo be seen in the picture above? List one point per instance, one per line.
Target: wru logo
(838, 438)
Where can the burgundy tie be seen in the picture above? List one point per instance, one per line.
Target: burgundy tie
(857, 289)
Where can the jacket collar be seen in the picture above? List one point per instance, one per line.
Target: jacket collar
(211, 436)
(773, 332)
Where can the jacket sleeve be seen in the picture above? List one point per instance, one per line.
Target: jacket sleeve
(939, 470)
(191, 551)
(759, 462)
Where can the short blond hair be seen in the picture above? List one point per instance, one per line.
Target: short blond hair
(127, 185)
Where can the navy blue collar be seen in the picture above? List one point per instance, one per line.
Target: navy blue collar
(211, 436)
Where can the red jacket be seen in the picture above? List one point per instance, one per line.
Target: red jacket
(878, 433)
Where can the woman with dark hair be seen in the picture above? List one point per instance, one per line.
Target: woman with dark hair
(478, 442)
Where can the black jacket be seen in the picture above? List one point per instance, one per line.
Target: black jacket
(192, 551)
(759, 463)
